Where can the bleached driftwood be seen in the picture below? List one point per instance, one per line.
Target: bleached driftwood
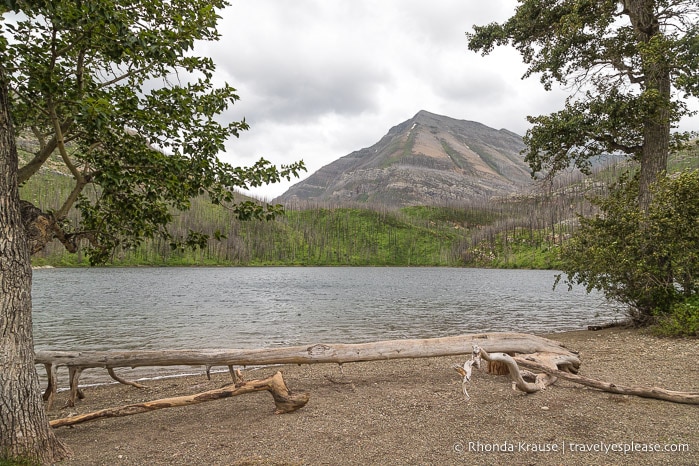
(110, 371)
(533, 382)
(644, 392)
(77, 361)
(285, 401)
(549, 367)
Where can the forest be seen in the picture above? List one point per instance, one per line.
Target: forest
(523, 231)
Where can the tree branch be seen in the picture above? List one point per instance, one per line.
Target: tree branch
(42, 155)
(644, 392)
(609, 140)
(116, 79)
(285, 401)
(60, 142)
(551, 368)
(73, 196)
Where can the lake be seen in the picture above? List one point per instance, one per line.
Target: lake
(183, 308)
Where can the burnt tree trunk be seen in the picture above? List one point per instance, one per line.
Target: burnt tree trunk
(24, 426)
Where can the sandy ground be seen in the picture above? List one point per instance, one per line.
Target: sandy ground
(411, 412)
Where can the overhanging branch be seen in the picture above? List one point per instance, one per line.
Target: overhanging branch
(612, 143)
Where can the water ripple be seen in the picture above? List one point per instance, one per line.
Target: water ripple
(158, 308)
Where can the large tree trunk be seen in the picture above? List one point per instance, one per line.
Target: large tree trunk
(24, 426)
(656, 135)
(657, 89)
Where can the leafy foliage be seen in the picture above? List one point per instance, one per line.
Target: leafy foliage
(682, 320)
(647, 259)
(631, 64)
(516, 248)
(9, 460)
(313, 236)
(14, 461)
(115, 89)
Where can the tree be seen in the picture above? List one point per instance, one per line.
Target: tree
(24, 428)
(651, 269)
(631, 63)
(113, 90)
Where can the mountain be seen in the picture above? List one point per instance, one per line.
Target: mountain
(427, 160)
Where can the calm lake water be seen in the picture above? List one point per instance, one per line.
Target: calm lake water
(182, 308)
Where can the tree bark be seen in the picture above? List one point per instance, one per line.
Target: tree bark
(657, 89)
(24, 427)
(285, 401)
(656, 134)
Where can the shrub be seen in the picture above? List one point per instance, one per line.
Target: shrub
(682, 320)
(648, 260)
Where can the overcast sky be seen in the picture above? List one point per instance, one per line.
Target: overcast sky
(318, 79)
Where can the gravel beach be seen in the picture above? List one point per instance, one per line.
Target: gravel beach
(411, 412)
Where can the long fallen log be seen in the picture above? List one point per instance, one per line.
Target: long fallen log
(285, 401)
(77, 361)
(319, 353)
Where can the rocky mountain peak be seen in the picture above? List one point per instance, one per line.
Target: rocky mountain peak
(429, 159)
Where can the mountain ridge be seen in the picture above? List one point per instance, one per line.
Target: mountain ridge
(426, 160)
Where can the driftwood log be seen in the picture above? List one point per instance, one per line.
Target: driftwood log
(77, 361)
(550, 367)
(644, 392)
(285, 401)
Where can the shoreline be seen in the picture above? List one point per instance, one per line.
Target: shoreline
(408, 411)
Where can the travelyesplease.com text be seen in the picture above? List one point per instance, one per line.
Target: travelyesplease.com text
(569, 447)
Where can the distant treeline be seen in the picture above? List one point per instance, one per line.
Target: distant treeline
(519, 231)
(483, 233)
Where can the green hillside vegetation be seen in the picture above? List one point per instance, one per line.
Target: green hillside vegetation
(532, 238)
(417, 236)
(515, 232)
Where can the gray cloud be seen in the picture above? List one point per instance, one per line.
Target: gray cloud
(319, 79)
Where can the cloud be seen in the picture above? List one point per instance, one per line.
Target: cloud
(297, 61)
(319, 79)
